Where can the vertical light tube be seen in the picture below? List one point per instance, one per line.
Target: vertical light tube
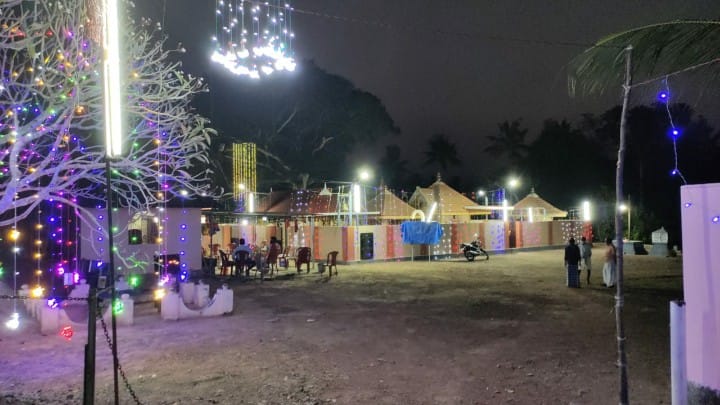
(432, 212)
(251, 202)
(530, 214)
(586, 211)
(357, 198)
(111, 67)
(505, 210)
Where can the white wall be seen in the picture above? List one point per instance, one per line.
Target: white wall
(181, 235)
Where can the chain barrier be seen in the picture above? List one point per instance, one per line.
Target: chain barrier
(120, 369)
(26, 297)
(105, 332)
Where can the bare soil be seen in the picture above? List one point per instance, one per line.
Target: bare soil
(501, 331)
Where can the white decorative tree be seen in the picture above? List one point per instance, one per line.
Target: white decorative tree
(51, 115)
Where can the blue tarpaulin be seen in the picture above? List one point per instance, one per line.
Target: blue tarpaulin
(419, 233)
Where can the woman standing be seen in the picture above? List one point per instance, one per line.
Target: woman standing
(609, 271)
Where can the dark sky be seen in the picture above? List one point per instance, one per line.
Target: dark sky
(453, 66)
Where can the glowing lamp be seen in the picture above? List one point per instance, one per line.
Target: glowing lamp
(37, 292)
(356, 198)
(14, 321)
(112, 79)
(716, 219)
(674, 133)
(67, 332)
(586, 211)
(664, 96)
(431, 213)
(158, 294)
(118, 307)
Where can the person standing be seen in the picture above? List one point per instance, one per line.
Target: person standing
(572, 261)
(586, 254)
(609, 270)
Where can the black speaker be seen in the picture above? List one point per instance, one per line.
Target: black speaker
(134, 237)
(367, 248)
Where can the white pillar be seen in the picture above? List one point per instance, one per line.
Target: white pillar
(678, 361)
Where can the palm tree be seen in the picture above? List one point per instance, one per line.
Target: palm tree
(392, 166)
(509, 142)
(441, 151)
(658, 52)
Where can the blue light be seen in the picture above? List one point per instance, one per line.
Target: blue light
(687, 205)
(716, 219)
(183, 275)
(664, 96)
(183, 226)
(674, 133)
(674, 172)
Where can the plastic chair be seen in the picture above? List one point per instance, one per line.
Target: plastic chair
(241, 263)
(272, 261)
(332, 262)
(303, 256)
(225, 263)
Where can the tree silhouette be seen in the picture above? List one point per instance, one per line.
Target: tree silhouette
(392, 166)
(441, 152)
(510, 142)
(304, 125)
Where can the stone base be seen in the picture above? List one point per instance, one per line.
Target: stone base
(659, 250)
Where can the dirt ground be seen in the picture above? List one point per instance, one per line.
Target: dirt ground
(501, 331)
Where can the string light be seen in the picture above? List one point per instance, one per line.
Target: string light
(674, 132)
(253, 39)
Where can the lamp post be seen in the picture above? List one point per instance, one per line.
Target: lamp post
(113, 149)
(482, 193)
(513, 183)
(623, 208)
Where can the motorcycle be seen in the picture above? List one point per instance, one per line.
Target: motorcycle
(472, 250)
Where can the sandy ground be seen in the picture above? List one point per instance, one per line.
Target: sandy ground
(445, 332)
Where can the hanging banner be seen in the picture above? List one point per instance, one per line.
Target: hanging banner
(418, 233)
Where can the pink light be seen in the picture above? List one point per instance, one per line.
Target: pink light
(76, 277)
(60, 271)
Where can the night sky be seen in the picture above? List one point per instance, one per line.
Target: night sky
(457, 67)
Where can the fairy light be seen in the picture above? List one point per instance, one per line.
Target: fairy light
(14, 321)
(674, 133)
(253, 39)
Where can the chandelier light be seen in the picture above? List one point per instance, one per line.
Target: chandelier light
(252, 38)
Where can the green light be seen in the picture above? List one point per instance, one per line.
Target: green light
(115, 229)
(134, 281)
(118, 307)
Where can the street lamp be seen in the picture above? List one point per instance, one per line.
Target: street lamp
(512, 184)
(626, 207)
(482, 193)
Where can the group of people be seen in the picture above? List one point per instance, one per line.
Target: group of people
(260, 256)
(580, 257)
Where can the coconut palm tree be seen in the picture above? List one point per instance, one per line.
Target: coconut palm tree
(441, 151)
(509, 142)
(658, 52)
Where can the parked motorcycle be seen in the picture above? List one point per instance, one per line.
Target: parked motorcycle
(472, 250)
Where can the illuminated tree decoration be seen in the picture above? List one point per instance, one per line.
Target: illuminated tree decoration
(254, 38)
(51, 121)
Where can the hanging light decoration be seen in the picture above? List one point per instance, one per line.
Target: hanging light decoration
(253, 39)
